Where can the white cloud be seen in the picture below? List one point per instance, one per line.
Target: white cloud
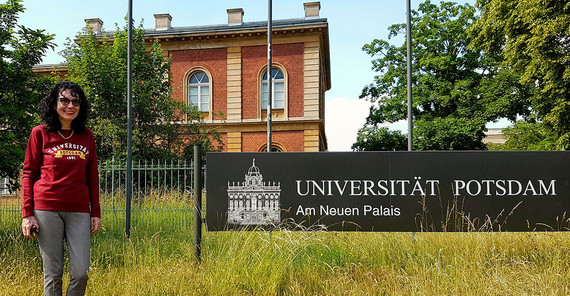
(343, 118)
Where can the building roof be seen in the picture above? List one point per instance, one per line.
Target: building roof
(50, 69)
(226, 28)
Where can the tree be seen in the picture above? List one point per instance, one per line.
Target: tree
(456, 90)
(374, 138)
(524, 135)
(20, 88)
(534, 37)
(99, 65)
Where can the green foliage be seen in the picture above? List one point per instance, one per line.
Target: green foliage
(534, 38)
(456, 89)
(374, 138)
(525, 135)
(449, 133)
(159, 123)
(20, 89)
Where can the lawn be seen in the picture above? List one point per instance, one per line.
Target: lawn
(162, 262)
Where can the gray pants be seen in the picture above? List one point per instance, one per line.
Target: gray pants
(74, 227)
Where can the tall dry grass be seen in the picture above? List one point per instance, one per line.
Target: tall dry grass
(308, 263)
(158, 259)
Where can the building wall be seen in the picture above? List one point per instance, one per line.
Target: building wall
(314, 81)
(254, 58)
(235, 60)
(187, 139)
(224, 64)
(289, 140)
(494, 135)
(215, 62)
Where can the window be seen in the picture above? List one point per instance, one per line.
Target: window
(5, 187)
(199, 91)
(277, 89)
(275, 147)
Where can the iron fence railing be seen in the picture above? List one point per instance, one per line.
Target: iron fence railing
(162, 195)
(148, 177)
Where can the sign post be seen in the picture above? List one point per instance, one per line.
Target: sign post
(129, 182)
(198, 202)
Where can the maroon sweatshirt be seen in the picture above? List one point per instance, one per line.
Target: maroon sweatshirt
(59, 174)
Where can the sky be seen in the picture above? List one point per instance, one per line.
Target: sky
(351, 25)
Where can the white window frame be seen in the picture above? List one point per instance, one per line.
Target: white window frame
(4, 188)
(274, 91)
(201, 93)
(279, 112)
(186, 89)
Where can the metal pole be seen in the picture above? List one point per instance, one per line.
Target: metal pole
(198, 202)
(409, 49)
(269, 64)
(129, 120)
(409, 66)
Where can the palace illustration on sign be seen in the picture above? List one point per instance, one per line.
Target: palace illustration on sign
(254, 202)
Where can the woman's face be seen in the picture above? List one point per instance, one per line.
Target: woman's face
(67, 108)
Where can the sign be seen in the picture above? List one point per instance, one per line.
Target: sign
(389, 191)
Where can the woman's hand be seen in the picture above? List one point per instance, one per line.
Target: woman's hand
(95, 224)
(30, 226)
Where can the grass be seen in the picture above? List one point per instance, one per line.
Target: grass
(308, 263)
(158, 259)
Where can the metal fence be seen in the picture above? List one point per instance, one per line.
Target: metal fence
(149, 178)
(162, 196)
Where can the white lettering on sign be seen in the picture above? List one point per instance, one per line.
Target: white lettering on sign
(416, 187)
(420, 187)
(366, 210)
(504, 188)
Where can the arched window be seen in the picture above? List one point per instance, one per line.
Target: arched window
(277, 88)
(275, 147)
(199, 91)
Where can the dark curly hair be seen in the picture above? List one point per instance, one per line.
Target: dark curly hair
(48, 107)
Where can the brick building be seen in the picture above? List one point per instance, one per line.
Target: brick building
(222, 69)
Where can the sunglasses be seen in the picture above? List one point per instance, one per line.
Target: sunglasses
(66, 101)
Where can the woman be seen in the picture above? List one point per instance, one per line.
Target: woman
(61, 188)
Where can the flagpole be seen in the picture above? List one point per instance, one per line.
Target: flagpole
(409, 66)
(269, 64)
